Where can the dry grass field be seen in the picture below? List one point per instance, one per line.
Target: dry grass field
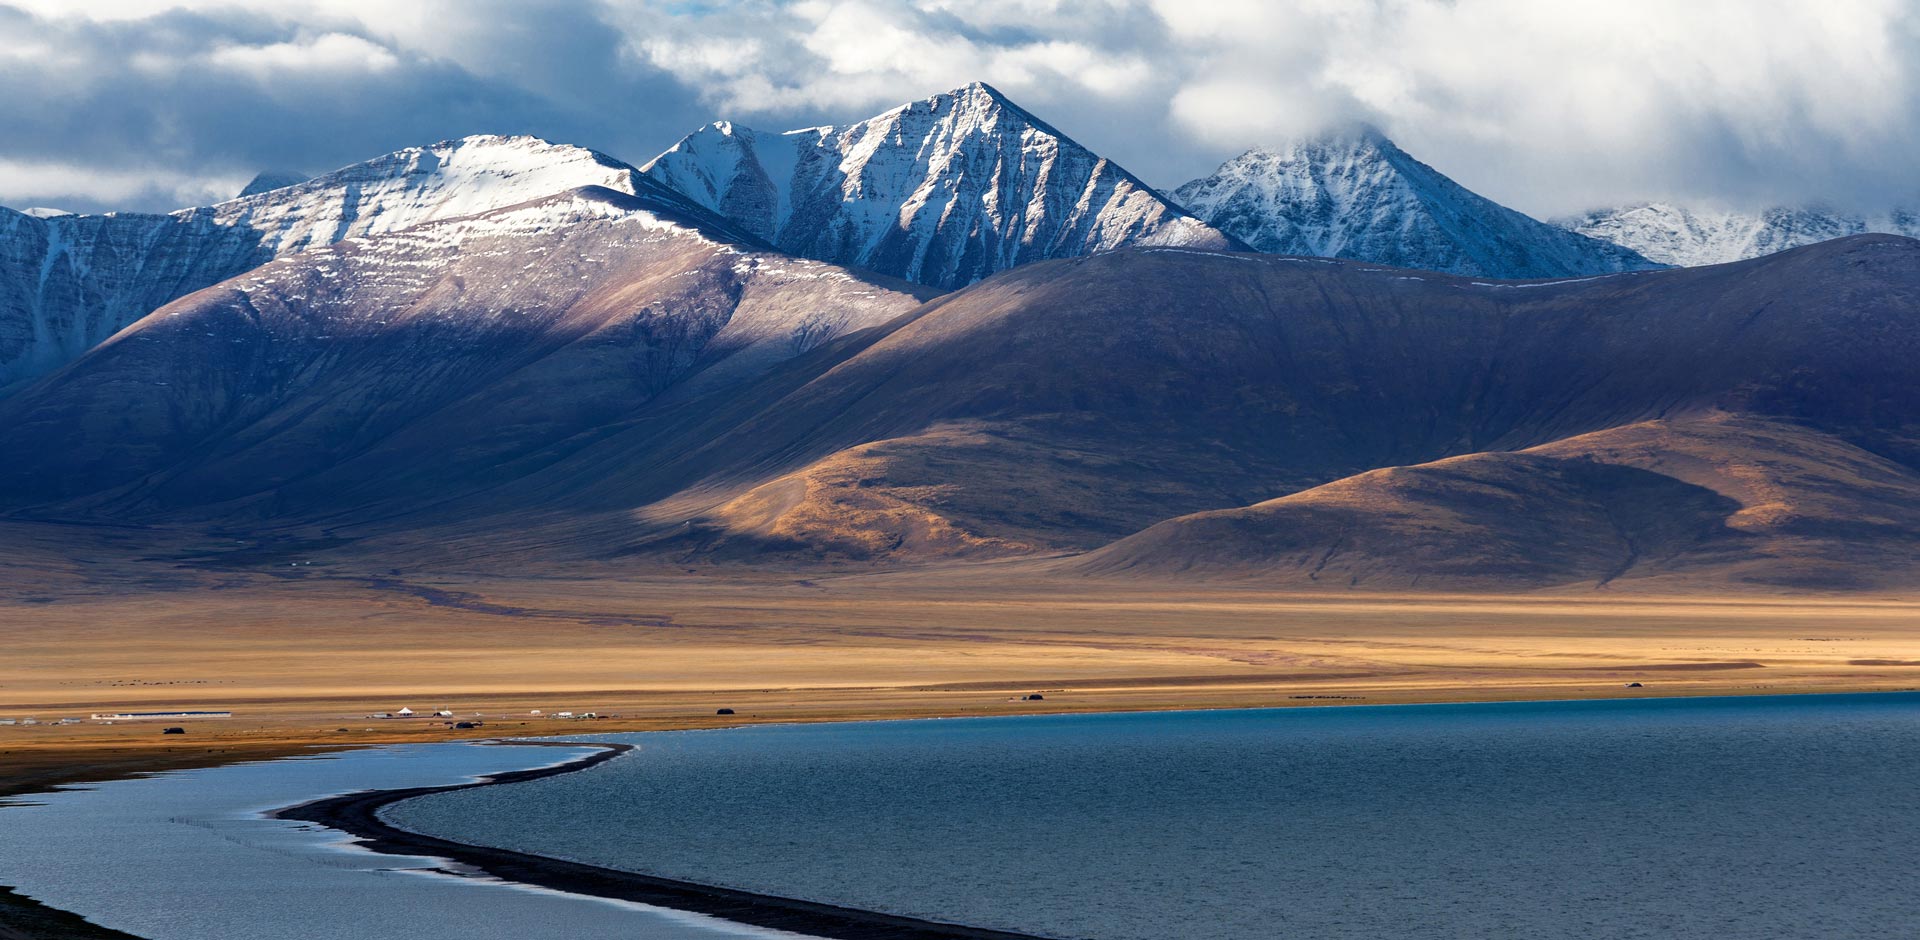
(301, 661)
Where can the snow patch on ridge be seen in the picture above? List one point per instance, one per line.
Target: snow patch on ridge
(68, 282)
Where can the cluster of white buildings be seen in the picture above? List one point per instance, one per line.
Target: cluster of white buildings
(447, 714)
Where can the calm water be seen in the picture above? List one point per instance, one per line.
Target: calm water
(188, 856)
(1705, 818)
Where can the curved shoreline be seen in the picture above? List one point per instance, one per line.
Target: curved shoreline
(357, 814)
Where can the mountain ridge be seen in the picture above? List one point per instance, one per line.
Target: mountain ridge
(1353, 193)
(68, 282)
(943, 191)
(1674, 234)
(573, 309)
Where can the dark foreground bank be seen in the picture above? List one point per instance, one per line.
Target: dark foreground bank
(358, 814)
(23, 918)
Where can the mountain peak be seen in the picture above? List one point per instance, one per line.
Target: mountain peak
(979, 93)
(1350, 192)
(975, 105)
(989, 104)
(943, 191)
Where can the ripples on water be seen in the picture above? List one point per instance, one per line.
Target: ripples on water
(1779, 817)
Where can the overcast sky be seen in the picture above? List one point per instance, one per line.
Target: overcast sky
(1548, 106)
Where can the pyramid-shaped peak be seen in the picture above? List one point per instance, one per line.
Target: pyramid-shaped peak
(975, 107)
(979, 91)
(944, 190)
(1349, 192)
(978, 98)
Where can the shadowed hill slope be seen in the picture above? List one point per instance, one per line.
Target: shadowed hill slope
(418, 364)
(1062, 405)
(1605, 429)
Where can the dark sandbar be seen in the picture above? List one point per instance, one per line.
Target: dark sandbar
(357, 814)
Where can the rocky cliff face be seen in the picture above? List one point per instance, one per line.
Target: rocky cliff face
(1356, 195)
(943, 192)
(67, 282)
(1686, 237)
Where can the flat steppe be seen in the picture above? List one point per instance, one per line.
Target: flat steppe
(302, 655)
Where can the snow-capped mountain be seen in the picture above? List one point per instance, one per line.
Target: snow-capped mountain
(943, 191)
(434, 357)
(68, 282)
(448, 180)
(1354, 194)
(1677, 235)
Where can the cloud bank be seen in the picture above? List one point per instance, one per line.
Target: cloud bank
(1549, 107)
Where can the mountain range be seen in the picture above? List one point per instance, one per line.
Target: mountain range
(500, 353)
(942, 192)
(1150, 412)
(1675, 235)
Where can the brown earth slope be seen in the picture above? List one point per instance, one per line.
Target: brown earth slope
(1063, 406)
(1718, 497)
(1754, 423)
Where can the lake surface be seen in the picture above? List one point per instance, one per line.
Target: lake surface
(1723, 818)
(189, 856)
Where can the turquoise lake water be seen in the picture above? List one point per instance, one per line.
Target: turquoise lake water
(1723, 818)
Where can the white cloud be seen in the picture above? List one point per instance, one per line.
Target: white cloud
(26, 183)
(335, 53)
(1555, 104)
(761, 58)
(1548, 106)
(1098, 71)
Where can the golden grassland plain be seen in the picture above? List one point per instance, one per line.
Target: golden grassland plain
(303, 661)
